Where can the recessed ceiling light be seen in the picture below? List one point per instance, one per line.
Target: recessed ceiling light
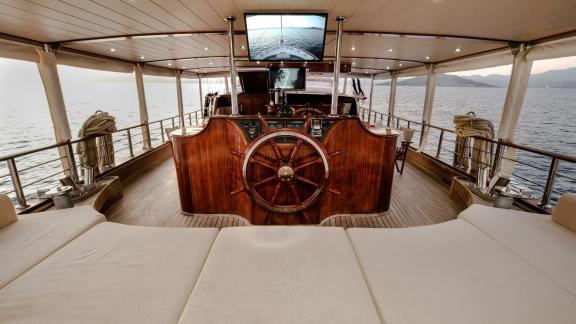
(196, 70)
(112, 50)
(167, 50)
(257, 62)
(427, 57)
(457, 50)
(243, 47)
(353, 48)
(390, 50)
(305, 62)
(206, 48)
(400, 64)
(353, 63)
(183, 67)
(387, 68)
(211, 63)
(142, 57)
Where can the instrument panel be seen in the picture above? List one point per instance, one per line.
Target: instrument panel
(252, 128)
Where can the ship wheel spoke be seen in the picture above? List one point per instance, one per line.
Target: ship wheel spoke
(261, 182)
(294, 193)
(262, 163)
(275, 149)
(302, 179)
(295, 150)
(276, 190)
(306, 218)
(305, 165)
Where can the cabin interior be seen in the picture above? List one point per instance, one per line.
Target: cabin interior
(286, 198)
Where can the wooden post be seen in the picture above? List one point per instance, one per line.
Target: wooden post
(49, 75)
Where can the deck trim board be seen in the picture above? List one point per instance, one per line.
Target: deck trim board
(152, 200)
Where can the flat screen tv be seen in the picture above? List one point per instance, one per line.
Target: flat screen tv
(285, 37)
(287, 78)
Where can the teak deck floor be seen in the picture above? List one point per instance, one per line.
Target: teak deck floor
(152, 200)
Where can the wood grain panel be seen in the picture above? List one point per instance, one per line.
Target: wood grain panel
(208, 166)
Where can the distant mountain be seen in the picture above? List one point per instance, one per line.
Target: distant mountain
(443, 80)
(552, 79)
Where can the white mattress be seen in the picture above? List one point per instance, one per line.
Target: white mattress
(548, 246)
(113, 273)
(281, 275)
(453, 273)
(26, 242)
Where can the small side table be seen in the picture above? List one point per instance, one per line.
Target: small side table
(61, 197)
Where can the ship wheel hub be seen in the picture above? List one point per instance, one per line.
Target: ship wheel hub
(285, 173)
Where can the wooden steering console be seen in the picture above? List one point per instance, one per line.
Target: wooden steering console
(285, 170)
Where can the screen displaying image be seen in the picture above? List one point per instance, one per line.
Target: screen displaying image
(287, 78)
(286, 37)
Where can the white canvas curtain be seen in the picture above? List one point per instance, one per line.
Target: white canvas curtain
(428, 105)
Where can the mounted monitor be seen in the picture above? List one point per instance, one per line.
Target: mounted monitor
(285, 37)
(287, 78)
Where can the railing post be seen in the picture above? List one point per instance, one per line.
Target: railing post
(173, 124)
(147, 136)
(440, 143)
(397, 123)
(190, 118)
(17, 184)
(408, 125)
(130, 148)
(196, 116)
(162, 130)
(72, 161)
(549, 182)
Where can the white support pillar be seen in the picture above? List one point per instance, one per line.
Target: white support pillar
(519, 77)
(181, 123)
(336, 80)
(232, 63)
(428, 105)
(392, 101)
(49, 73)
(521, 68)
(147, 142)
(370, 98)
(201, 96)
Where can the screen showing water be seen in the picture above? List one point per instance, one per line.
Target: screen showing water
(286, 37)
(287, 78)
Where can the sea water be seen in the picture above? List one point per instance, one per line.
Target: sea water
(547, 121)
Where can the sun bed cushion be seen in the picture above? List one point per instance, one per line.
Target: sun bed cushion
(31, 239)
(453, 273)
(535, 237)
(281, 275)
(7, 211)
(565, 212)
(113, 273)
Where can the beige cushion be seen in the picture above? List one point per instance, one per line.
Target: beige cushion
(113, 273)
(534, 237)
(565, 212)
(281, 275)
(36, 236)
(453, 273)
(7, 211)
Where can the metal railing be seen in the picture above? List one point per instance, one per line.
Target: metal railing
(145, 134)
(442, 141)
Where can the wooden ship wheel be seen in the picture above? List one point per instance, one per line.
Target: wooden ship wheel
(285, 170)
